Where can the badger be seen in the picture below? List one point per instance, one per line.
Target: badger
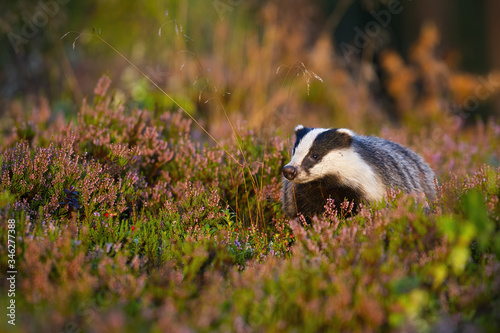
(336, 163)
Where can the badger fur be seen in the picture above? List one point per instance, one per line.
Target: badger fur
(338, 164)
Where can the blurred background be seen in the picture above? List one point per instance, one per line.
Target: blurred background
(268, 65)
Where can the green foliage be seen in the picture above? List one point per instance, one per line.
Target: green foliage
(123, 220)
(128, 218)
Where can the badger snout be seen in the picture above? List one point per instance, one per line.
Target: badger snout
(289, 172)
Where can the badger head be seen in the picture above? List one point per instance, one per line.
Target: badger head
(331, 154)
(319, 152)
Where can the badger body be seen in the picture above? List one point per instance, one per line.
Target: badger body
(338, 164)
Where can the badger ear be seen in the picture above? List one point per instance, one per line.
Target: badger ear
(300, 131)
(343, 137)
(346, 131)
(298, 128)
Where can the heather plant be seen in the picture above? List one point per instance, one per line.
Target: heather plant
(44, 182)
(148, 229)
(129, 219)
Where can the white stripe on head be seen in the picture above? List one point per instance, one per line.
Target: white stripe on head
(352, 171)
(304, 146)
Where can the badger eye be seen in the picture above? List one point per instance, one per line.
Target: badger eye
(315, 156)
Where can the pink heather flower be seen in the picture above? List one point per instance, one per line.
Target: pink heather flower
(102, 86)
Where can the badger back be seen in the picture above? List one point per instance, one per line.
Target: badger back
(397, 166)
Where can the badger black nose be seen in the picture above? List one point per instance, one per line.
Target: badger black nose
(289, 172)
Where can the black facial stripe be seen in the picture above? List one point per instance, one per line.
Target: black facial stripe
(308, 163)
(299, 135)
(330, 140)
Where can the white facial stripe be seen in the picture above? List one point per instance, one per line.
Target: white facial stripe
(352, 171)
(304, 146)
